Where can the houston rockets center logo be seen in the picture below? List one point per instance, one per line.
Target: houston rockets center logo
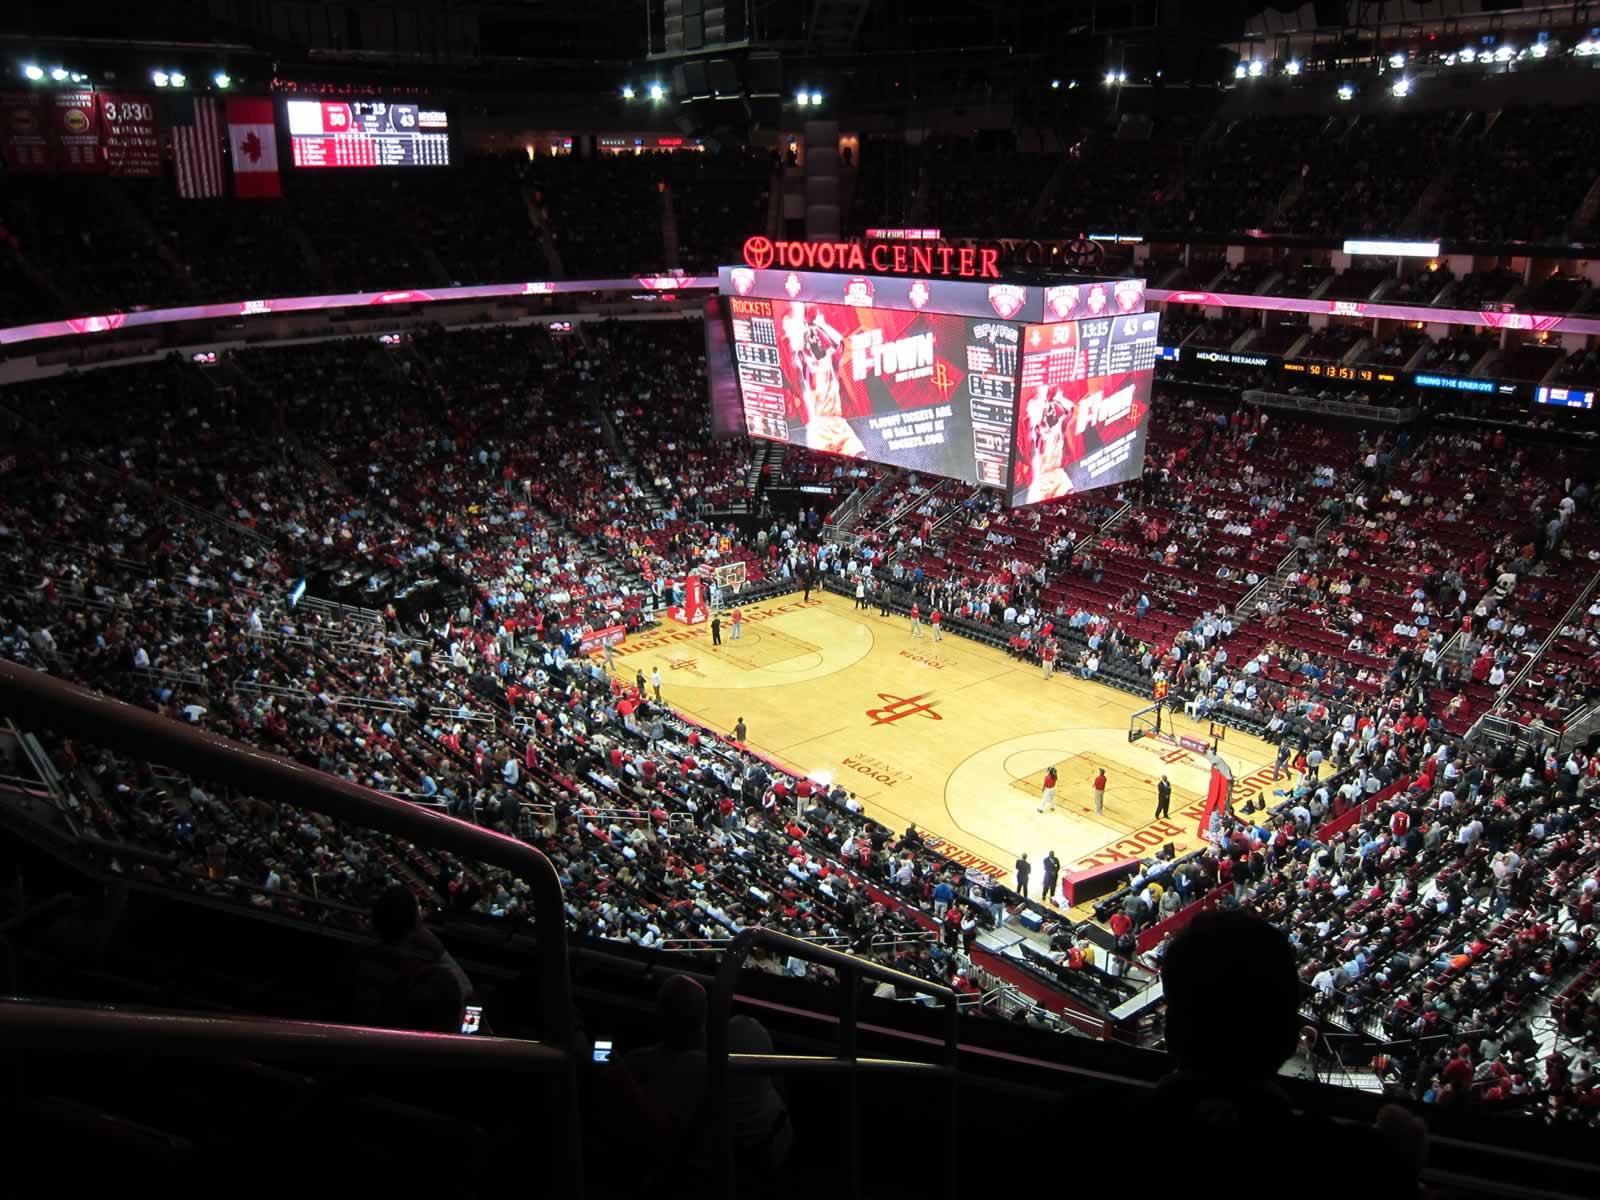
(897, 708)
(743, 279)
(943, 379)
(919, 295)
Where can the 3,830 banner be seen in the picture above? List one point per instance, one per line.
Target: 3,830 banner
(129, 133)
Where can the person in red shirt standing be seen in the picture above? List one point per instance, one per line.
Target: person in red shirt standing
(1048, 657)
(933, 619)
(952, 926)
(738, 624)
(916, 620)
(1100, 791)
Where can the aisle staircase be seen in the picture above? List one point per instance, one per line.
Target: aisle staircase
(767, 462)
(669, 228)
(540, 230)
(1463, 141)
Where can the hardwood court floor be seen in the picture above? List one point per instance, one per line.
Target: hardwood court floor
(952, 735)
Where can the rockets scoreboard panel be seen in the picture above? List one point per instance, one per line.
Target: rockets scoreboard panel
(367, 133)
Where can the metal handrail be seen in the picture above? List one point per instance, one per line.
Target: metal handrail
(1103, 528)
(27, 1024)
(1509, 689)
(847, 1064)
(77, 711)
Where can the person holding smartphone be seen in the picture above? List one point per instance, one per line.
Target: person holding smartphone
(410, 981)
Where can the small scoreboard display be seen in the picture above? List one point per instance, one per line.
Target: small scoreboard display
(367, 133)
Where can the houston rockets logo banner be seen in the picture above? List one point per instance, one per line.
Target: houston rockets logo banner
(26, 145)
(75, 125)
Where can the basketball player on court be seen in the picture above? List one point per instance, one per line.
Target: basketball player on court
(817, 350)
(1047, 797)
(916, 620)
(1048, 415)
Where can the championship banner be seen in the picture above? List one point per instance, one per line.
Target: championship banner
(129, 133)
(75, 128)
(599, 639)
(25, 142)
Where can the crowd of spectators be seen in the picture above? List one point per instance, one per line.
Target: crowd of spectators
(493, 497)
(163, 577)
(1528, 175)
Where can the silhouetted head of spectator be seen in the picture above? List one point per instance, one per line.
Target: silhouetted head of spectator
(681, 1013)
(1222, 965)
(395, 914)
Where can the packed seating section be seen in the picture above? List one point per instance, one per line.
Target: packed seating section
(496, 494)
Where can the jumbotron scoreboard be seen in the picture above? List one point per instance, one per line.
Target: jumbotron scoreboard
(367, 133)
(1040, 391)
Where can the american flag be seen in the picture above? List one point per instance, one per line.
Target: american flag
(197, 148)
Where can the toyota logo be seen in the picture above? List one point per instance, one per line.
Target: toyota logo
(759, 252)
(1083, 252)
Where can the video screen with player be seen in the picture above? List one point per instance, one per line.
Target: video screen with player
(925, 392)
(1083, 406)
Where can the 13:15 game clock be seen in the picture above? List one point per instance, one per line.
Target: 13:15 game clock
(1342, 373)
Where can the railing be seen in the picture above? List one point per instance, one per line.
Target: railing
(1492, 724)
(63, 1029)
(194, 512)
(1247, 603)
(364, 703)
(49, 777)
(841, 537)
(79, 712)
(1332, 408)
(1104, 527)
(914, 500)
(847, 1065)
(853, 505)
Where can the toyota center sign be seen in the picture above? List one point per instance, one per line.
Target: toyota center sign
(948, 262)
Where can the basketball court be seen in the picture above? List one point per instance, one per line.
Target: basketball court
(952, 735)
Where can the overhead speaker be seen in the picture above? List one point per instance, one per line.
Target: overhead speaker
(766, 111)
(763, 73)
(672, 26)
(724, 22)
(723, 75)
(692, 76)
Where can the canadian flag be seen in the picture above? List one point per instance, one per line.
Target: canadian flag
(253, 142)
